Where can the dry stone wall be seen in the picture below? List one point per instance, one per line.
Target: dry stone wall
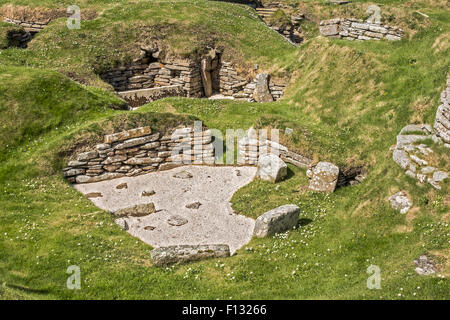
(30, 26)
(157, 74)
(138, 151)
(237, 86)
(356, 29)
(170, 76)
(442, 121)
(251, 146)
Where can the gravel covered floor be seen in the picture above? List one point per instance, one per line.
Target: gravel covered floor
(213, 222)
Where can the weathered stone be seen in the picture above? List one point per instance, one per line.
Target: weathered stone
(115, 159)
(185, 253)
(177, 221)
(111, 168)
(426, 170)
(193, 205)
(141, 161)
(73, 172)
(401, 158)
(323, 177)
(277, 220)
(102, 177)
(128, 134)
(262, 92)
(425, 266)
(148, 193)
(183, 175)
(400, 201)
(151, 145)
(403, 140)
(137, 141)
(168, 166)
(419, 161)
(87, 155)
(103, 146)
(439, 176)
(76, 163)
(94, 195)
(122, 186)
(329, 30)
(271, 168)
(442, 122)
(139, 210)
(126, 151)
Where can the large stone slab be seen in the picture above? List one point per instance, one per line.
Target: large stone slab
(262, 91)
(128, 134)
(276, 220)
(137, 141)
(102, 177)
(185, 253)
(323, 177)
(329, 30)
(139, 210)
(271, 168)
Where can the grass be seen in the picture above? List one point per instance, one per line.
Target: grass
(346, 102)
(179, 28)
(35, 101)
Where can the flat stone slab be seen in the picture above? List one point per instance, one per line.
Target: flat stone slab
(214, 222)
(276, 220)
(185, 253)
(323, 177)
(400, 202)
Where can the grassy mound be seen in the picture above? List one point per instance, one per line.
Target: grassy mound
(180, 29)
(35, 101)
(346, 103)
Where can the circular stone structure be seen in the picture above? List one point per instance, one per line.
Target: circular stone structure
(214, 222)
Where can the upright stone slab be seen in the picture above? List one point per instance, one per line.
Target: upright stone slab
(271, 168)
(276, 220)
(185, 253)
(262, 92)
(323, 177)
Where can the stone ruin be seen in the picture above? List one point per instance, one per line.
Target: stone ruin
(252, 145)
(151, 77)
(291, 31)
(32, 27)
(409, 152)
(357, 29)
(139, 151)
(21, 38)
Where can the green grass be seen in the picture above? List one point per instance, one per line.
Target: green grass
(35, 101)
(180, 29)
(346, 102)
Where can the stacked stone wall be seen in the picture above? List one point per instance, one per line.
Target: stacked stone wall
(139, 151)
(356, 29)
(237, 86)
(30, 26)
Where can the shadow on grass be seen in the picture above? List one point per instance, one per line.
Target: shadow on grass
(303, 222)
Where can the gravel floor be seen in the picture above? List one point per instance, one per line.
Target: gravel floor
(213, 222)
